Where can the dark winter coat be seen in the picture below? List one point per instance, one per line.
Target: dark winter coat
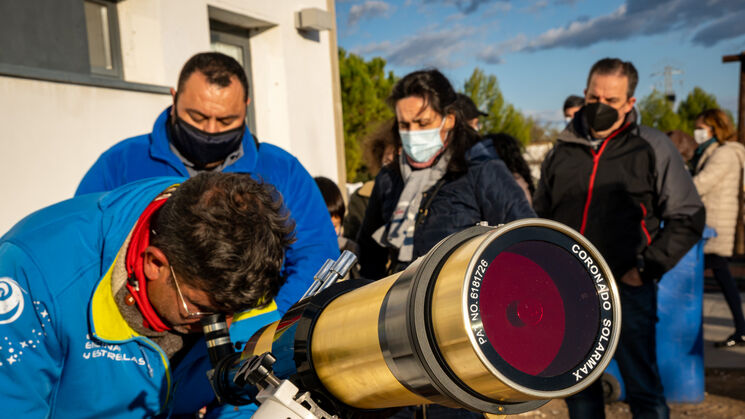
(619, 195)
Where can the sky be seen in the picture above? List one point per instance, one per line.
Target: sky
(542, 50)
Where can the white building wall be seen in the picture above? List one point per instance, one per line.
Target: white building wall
(53, 132)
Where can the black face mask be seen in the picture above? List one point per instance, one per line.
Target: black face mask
(202, 148)
(600, 116)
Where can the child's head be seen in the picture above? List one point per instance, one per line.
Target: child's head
(334, 201)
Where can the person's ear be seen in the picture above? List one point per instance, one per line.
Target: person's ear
(630, 104)
(174, 95)
(155, 264)
(248, 101)
(449, 121)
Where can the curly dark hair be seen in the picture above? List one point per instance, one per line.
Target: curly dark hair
(509, 150)
(217, 67)
(226, 234)
(436, 91)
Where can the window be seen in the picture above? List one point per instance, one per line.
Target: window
(103, 38)
(236, 46)
(67, 41)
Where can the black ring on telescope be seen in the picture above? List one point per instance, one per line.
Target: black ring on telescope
(397, 343)
(306, 377)
(407, 356)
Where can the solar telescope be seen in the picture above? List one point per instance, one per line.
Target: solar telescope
(492, 319)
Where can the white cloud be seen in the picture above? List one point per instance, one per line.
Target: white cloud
(367, 10)
(710, 21)
(428, 48)
(465, 6)
(492, 54)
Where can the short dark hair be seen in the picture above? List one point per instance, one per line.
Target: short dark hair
(573, 101)
(436, 91)
(608, 66)
(217, 67)
(685, 144)
(332, 196)
(469, 108)
(376, 143)
(226, 234)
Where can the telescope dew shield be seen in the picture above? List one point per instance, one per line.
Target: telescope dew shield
(493, 320)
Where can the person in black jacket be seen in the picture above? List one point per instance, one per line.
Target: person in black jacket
(617, 183)
(445, 180)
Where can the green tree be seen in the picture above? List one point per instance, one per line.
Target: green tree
(543, 132)
(657, 112)
(364, 87)
(503, 117)
(696, 102)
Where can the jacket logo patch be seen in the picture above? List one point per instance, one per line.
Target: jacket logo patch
(11, 300)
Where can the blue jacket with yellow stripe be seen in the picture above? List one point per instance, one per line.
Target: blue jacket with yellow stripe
(65, 349)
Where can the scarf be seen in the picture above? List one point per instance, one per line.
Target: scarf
(399, 231)
(137, 283)
(699, 152)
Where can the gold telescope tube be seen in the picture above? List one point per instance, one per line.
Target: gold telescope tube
(495, 320)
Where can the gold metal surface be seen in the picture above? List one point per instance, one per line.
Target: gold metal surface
(451, 331)
(346, 351)
(264, 342)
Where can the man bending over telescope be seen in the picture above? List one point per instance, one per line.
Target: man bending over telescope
(101, 295)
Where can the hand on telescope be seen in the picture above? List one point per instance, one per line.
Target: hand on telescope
(632, 277)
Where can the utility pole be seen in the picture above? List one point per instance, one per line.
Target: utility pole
(741, 103)
(668, 74)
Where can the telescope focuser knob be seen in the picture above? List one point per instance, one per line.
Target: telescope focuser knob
(258, 372)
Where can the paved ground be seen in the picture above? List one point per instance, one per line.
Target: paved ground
(718, 326)
(725, 375)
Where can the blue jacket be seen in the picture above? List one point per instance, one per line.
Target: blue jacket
(65, 349)
(485, 192)
(150, 155)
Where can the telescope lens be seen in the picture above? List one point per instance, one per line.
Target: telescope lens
(540, 309)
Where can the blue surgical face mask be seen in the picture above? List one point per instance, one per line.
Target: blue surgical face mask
(422, 145)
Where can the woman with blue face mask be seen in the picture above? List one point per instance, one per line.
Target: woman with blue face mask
(444, 180)
(718, 175)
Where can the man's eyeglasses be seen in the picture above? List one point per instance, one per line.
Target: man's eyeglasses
(189, 314)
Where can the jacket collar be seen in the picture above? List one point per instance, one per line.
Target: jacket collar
(160, 148)
(732, 147)
(120, 210)
(106, 321)
(481, 151)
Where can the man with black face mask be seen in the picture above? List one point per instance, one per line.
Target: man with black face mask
(625, 188)
(205, 130)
